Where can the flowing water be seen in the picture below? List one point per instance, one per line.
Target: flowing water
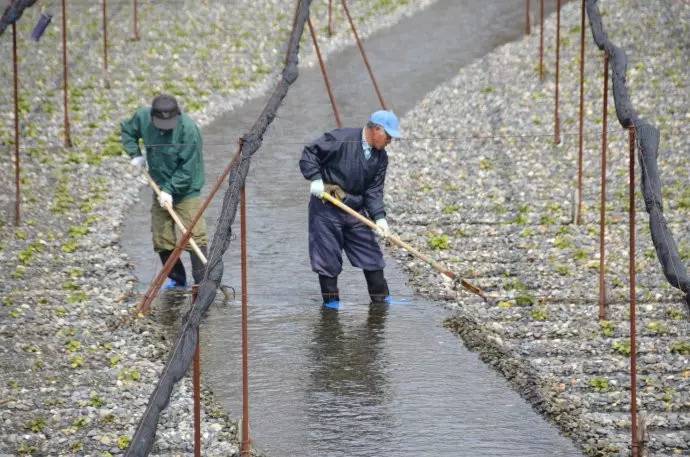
(367, 381)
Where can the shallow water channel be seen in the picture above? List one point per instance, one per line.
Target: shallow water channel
(366, 381)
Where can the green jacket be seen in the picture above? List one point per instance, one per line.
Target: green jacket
(174, 157)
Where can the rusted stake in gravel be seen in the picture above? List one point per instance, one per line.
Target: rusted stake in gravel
(196, 381)
(330, 18)
(556, 119)
(580, 157)
(364, 55)
(106, 77)
(17, 196)
(527, 25)
(541, 40)
(633, 298)
(68, 138)
(135, 20)
(326, 80)
(602, 209)
(144, 306)
(246, 444)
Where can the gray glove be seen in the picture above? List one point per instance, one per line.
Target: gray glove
(335, 191)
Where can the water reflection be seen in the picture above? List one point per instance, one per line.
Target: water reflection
(169, 306)
(349, 391)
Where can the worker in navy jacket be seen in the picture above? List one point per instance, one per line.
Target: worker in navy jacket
(349, 163)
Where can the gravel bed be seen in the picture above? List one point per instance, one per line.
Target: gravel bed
(73, 381)
(486, 190)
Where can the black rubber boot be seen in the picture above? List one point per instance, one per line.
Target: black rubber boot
(377, 285)
(198, 267)
(329, 289)
(178, 273)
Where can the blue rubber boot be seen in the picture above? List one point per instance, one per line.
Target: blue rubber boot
(332, 304)
(397, 301)
(172, 284)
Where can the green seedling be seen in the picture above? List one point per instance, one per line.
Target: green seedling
(621, 347)
(438, 242)
(599, 384)
(539, 314)
(680, 347)
(607, 328)
(657, 328)
(72, 345)
(123, 442)
(36, 425)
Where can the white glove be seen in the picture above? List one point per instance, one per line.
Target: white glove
(138, 163)
(382, 227)
(317, 188)
(165, 199)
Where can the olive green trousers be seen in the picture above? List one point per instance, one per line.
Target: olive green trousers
(165, 233)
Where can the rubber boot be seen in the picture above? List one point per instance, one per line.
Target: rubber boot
(329, 291)
(198, 267)
(378, 287)
(178, 273)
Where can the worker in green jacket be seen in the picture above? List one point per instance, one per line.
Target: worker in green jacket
(173, 146)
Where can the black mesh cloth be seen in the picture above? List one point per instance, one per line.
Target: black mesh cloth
(13, 12)
(647, 140)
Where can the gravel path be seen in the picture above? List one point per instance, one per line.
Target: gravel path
(491, 195)
(72, 381)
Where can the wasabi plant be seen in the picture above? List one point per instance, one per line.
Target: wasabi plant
(450, 209)
(438, 242)
(72, 345)
(607, 328)
(680, 347)
(36, 425)
(675, 314)
(599, 384)
(621, 347)
(539, 314)
(123, 442)
(657, 328)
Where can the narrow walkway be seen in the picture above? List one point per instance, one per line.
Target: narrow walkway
(366, 382)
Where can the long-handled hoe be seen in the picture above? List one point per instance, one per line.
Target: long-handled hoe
(175, 217)
(397, 241)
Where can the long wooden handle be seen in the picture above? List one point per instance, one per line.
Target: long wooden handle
(396, 240)
(175, 217)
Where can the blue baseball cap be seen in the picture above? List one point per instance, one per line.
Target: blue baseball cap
(388, 121)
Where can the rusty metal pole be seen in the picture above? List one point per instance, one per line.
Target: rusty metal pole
(15, 66)
(135, 21)
(602, 209)
(246, 447)
(105, 44)
(196, 381)
(580, 157)
(541, 40)
(556, 119)
(326, 80)
(330, 18)
(68, 139)
(528, 29)
(633, 299)
(364, 54)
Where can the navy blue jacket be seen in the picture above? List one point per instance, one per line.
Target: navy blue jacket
(337, 157)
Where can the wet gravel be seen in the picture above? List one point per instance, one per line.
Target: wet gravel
(73, 381)
(486, 190)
